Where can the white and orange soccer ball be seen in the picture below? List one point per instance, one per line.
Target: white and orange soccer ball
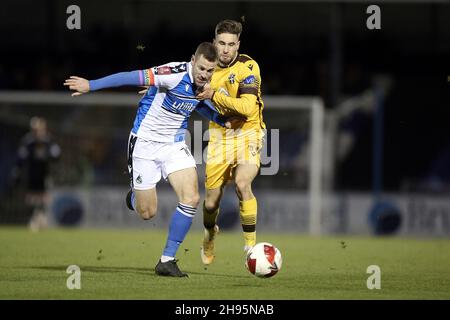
(263, 260)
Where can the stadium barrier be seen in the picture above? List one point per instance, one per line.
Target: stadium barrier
(278, 211)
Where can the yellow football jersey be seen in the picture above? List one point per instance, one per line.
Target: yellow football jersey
(238, 93)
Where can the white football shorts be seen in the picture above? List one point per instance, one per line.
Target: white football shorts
(148, 161)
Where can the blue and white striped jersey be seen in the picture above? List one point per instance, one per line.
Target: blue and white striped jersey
(167, 105)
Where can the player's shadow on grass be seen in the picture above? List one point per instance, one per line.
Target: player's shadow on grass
(206, 273)
(147, 271)
(105, 269)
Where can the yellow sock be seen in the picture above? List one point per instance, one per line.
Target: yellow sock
(248, 211)
(209, 217)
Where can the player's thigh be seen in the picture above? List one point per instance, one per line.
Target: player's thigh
(185, 184)
(248, 161)
(217, 175)
(219, 163)
(180, 169)
(245, 173)
(145, 172)
(248, 151)
(144, 165)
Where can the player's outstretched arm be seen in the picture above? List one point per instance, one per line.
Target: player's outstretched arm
(132, 78)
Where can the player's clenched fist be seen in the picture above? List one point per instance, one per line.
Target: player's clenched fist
(80, 85)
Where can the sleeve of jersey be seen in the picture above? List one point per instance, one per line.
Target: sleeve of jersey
(132, 78)
(245, 103)
(207, 110)
(169, 75)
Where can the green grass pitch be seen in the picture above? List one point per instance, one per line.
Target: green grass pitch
(119, 264)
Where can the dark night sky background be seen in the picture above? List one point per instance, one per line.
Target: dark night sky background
(292, 42)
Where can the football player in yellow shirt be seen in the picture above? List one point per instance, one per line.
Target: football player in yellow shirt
(235, 90)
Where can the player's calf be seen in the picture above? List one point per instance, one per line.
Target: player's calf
(144, 202)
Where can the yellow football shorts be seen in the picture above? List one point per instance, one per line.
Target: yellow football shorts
(224, 155)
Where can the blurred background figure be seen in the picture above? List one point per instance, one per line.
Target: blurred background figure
(36, 152)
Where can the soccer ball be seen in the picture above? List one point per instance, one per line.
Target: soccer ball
(263, 260)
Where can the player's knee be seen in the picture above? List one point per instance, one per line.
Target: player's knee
(211, 204)
(146, 212)
(243, 187)
(191, 199)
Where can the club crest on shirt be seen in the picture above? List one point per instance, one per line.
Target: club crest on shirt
(231, 78)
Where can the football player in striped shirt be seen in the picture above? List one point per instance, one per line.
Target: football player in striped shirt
(156, 146)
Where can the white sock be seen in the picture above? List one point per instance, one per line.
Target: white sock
(166, 258)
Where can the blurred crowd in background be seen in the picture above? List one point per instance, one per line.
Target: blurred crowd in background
(312, 49)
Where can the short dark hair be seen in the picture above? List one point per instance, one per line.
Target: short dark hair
(229, 26)
(208, 50)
